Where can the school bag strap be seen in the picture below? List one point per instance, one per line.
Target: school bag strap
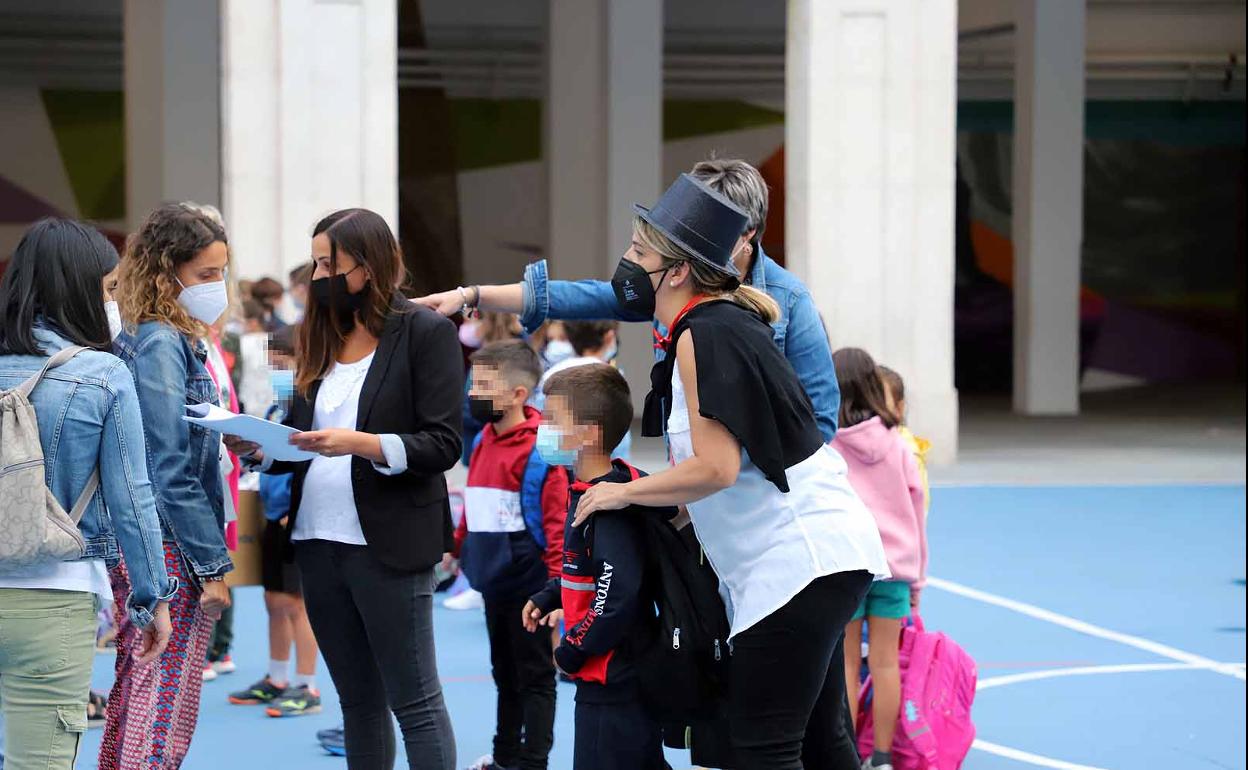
(531, 485)
(26, 388)
(60, 357)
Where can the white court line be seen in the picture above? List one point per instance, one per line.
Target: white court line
(1028, 757)
(1156, 648)
(1054, 673)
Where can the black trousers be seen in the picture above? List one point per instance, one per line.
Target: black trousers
(788, 683)
(616, 735)
(524, 674)
(374, 625)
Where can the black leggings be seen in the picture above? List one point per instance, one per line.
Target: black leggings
(788, 683)
(374, 625)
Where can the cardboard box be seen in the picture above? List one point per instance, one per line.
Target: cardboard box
(247, 559)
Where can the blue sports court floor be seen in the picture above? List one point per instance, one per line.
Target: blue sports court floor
(1108, 623)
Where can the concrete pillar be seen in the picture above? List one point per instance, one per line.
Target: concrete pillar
(1048, 203)
(173, 105)
(870, 111)
(603, 142)
(309, 122)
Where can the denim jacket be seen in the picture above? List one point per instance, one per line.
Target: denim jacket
(89, 418)
(799, 332)
(182, 459)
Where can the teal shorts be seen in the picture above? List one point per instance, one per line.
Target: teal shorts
(886, 599)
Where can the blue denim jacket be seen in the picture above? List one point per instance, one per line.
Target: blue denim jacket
(183, 460)
(89, 418)
(799, 332)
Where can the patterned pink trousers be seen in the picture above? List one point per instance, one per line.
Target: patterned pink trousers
(153, 709)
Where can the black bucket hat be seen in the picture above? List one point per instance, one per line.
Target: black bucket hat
(700, 221)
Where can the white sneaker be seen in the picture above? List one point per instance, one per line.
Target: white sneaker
(483, 763)
(868, 766)
(209, 673)
(467, 600)
(225, 666)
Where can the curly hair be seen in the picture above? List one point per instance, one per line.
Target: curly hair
(170, 237)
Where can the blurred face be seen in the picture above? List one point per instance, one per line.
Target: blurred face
(208, 266)
(743, 254)
(109, 285)
(556, 332)
(281, 360)
(488, 384)
(356, 272)
(573, 437)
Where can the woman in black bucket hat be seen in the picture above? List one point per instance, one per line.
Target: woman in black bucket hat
(793, 546)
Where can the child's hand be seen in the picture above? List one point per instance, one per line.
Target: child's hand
(552, 620)
(914, 602)
(531, 616)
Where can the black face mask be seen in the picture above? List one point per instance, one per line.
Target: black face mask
(332, 294)
(482, 410)
(633, 291)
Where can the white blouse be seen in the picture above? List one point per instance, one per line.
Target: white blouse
(765, 545)
(327, 509)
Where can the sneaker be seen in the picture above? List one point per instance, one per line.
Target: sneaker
(296, 702)
(485, 763)
(263, 691)
(329, 733)
(224, 666)
(869, 766)
(210, 673)
(467, 600)
(333, 741)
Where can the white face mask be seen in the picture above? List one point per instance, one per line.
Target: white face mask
(557, 351)
(205, 302)
(114, 318)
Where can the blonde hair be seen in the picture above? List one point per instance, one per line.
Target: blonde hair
(706, 279)
(170, 236)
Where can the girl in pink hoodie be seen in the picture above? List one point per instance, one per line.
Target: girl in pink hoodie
(883, 472)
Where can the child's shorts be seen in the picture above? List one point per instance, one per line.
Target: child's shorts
(886, 599)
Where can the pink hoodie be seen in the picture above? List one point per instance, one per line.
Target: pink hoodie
(883, 472)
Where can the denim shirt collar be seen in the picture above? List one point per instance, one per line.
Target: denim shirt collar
(50, 340)
(758, 273)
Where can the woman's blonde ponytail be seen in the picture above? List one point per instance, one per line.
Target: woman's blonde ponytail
(757, 301)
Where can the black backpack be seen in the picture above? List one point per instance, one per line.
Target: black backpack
(684, 670)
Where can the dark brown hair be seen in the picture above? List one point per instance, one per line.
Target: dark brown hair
(862, 388)
(365, 236)
(897, 387)
(588, 335)
(253, 310)
(597, 394)
(516, 362)
(282, 341)
(268, 292)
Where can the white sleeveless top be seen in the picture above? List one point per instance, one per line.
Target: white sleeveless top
(765, 545)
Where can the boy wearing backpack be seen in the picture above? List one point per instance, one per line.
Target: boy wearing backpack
(603, 591)
(510, 543)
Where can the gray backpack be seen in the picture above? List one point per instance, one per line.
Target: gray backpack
(34, 528)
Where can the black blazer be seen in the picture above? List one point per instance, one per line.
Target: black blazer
(414, 388)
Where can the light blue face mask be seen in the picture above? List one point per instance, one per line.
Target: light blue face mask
(549, 441)
(557, 351)
(283, 383)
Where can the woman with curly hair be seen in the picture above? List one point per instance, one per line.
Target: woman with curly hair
(173, 287)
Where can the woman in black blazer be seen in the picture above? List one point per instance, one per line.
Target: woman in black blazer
(379, 384)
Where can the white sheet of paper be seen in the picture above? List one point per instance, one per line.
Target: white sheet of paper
(273, 437)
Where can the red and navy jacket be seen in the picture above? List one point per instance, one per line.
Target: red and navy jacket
(506, 551)
(607, 608)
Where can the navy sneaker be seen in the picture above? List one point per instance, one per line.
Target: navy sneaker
(333, 741)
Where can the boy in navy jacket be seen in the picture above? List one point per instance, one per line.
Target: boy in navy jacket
(608, 608)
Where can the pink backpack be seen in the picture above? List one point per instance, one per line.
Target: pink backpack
(934, 728)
